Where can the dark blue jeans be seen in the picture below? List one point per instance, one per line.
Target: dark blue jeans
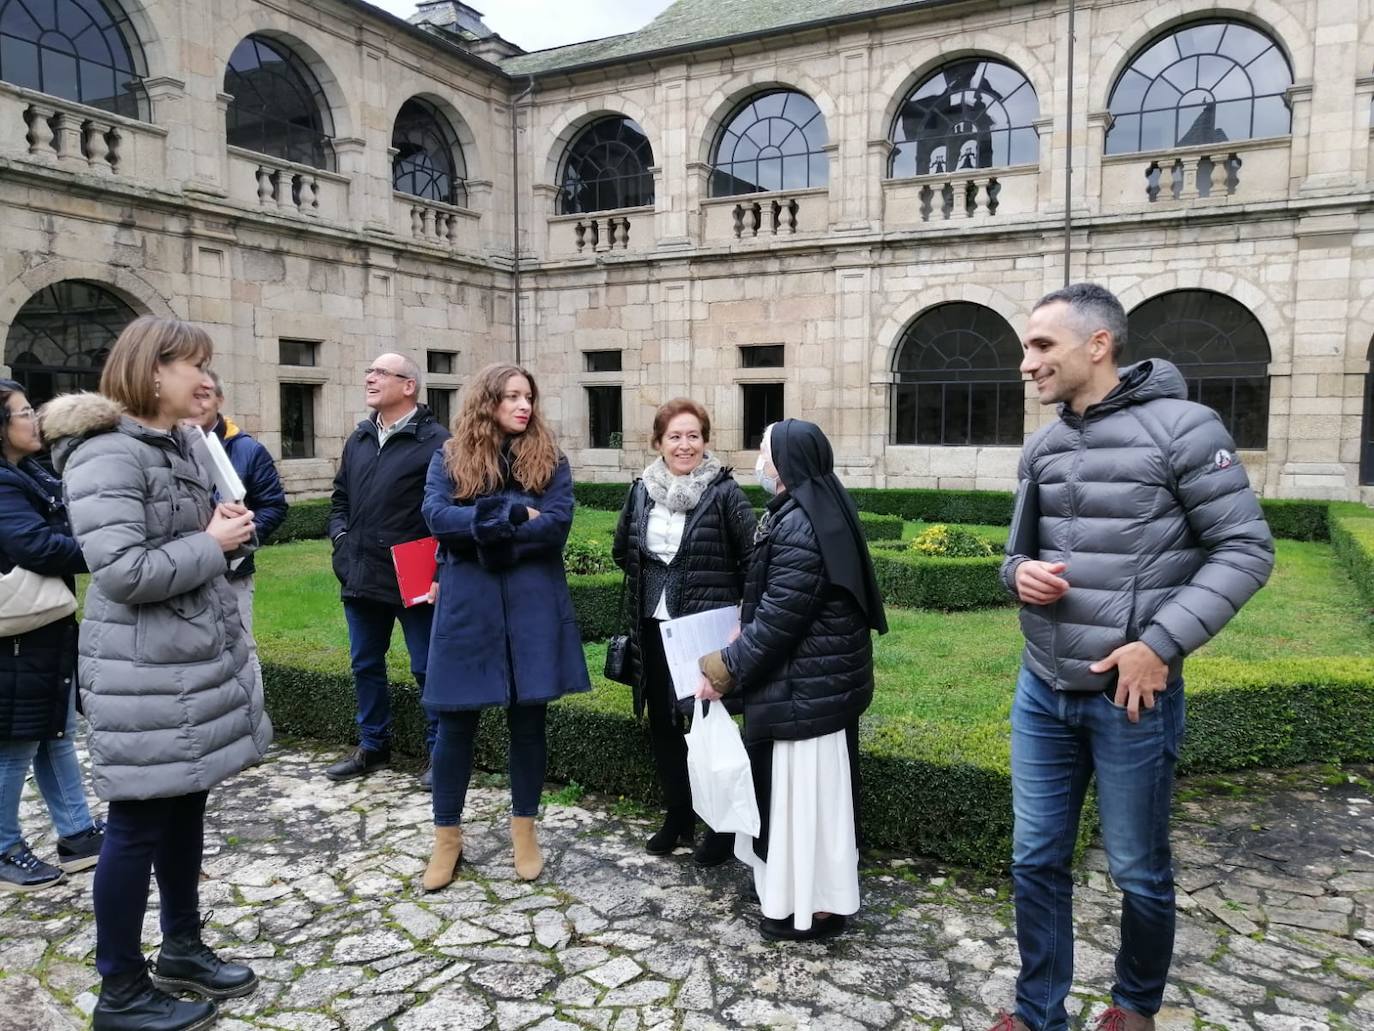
(1058, 742)
(161, 835)
(453, 761)
(370, 624)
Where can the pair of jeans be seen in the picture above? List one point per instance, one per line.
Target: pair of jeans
(453, 761)
(1059, 741)
(166, 836)
(370, 624)
(58, 773)
(666, 736)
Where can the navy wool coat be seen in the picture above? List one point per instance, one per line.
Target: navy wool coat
(504, 631)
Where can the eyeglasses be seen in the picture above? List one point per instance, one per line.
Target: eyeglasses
(24, 413)
(374, 371)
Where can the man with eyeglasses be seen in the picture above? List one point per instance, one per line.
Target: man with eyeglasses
(376, 504)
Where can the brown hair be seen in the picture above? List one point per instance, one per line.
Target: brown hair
(472, 456)
(670, 410)
(130, 374)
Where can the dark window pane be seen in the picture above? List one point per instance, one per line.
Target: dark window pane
(279, 107)
(603, 416)
(1213, 81)
(297, 420)
(614, 156)
(1367, 437)
(441, 404)
(19, 62)
(441, 363)
(71, 49)
(762, 406)
(983, 413)
(784, 130)
(930, 413)
(761, 356)
(296, 352)
(429, 161)
(1250, 428)
(904, 414)
(60, 338)
(59, 74)
(956, 414)
(603, 361)
(1011, 415)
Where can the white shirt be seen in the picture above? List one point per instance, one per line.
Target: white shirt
(663, 537)
(384, 433)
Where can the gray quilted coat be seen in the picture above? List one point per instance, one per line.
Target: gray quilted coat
(163, 659)
(1144, 499)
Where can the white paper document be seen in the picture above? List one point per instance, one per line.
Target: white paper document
(226, 479)
(687, 638)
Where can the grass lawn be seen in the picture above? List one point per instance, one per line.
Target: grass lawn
(932, 667)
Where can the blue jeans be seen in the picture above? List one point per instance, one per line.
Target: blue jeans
(369, 636)
(1059, 741)
(453, 761)
(164, 836)
(58, 773)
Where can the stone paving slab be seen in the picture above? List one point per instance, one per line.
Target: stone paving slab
(314, 883)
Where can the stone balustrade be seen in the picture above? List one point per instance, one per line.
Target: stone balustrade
(76, 137)
(435, 223)
(601, 233)
(1191, 177)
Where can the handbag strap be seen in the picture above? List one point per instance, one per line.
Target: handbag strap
(620, 619)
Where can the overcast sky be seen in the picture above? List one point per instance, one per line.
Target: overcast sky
(539, 24)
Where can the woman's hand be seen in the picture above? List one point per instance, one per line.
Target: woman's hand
(706, 692)
(231, 526)
(433, 595)
(533, 512)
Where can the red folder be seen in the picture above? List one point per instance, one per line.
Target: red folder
(416, 563)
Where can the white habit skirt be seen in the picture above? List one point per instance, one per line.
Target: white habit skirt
(813, 861)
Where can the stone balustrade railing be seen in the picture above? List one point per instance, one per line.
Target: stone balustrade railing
(773, 217)
(77, 137)
(436, 223)
(960, 196)
(601, 233)
(1191, 177)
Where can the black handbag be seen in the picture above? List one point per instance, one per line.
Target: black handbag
(618, 647)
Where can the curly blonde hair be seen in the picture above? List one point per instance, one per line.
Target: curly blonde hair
(472, 456)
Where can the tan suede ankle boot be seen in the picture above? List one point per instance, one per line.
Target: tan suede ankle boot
(443, 863)
(529, 863)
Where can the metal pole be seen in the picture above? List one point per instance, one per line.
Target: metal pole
(1068, 156)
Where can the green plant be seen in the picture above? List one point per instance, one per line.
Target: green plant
(951, 542)
(587, 555)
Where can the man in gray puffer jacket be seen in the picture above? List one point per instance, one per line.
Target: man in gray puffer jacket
(1136, 538)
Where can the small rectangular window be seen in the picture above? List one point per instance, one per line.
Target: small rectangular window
(602, 361)
(761, 356)
(297, 352)
(441, 404)
(762, 405)
(298, 420)
(441, 363)
(603, 416)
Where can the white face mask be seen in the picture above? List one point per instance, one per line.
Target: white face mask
(768, 483)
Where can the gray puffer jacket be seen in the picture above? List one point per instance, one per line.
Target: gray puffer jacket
(1144, 499)
(163, 663)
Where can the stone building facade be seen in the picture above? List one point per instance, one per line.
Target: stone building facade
(844, 212)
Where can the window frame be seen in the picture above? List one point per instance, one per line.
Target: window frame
(615, 155)
(111, 314)
(444, 146)
(306, 85)
(733, 127)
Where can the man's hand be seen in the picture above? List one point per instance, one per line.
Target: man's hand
(706, 692)
(433, 595)
(1039, 583)
(1140, 676)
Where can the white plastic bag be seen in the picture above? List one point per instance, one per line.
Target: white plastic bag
(718, 768)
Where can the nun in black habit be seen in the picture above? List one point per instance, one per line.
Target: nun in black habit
(802, 670)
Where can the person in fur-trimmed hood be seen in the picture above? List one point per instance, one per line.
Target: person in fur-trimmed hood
(163, 665)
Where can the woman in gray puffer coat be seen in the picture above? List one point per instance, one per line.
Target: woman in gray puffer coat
(162, 660)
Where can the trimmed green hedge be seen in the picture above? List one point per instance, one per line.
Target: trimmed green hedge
(1297, 519)
(912, 581)
(305, 520)
(609, 497)
(878, 527)
(1352, 539)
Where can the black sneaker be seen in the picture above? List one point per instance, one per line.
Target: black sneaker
(427, 777)
(81, 851)
(359, 763)
(21, 870)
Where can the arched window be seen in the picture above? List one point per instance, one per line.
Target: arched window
(956, 379)
(978, 112)
(772, 141)
(59, 339)
(1220, 348)
(81, 50)
(1206, 83)
(429, 159)
(607, 167)
(278, 107)
(1367, 426)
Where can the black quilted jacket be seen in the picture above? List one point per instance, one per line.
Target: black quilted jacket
(803, 663)
(717, 543)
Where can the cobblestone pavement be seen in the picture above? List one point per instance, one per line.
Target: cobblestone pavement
(314, 884)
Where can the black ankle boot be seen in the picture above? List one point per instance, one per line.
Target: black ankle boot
(189, 965)
(129, 1002)
(678, 826)
(714, 849)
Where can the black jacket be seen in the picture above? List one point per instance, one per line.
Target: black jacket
(803, 663)
(717, 543)
(263, 495)
(37, 669)
(376, 503)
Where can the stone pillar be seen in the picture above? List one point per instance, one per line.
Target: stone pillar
(1300, 101)
(1360, 170)
(854, 205)
(1312, 466)
(1044, 132)
(698, 190)
(365, 211)
(535, 220)
(670, 183)
(1331, 137)
(1088, 179)
(172, 111)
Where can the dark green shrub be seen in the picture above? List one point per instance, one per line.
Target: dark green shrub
(936, 506)
(595, 600)
(1296, 520)
(911, 581)
(941, 541)
(583, 556)
(609, 497)
(305, 520)
(878, 527)
(1352, 539)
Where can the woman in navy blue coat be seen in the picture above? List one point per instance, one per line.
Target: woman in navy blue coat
(499, 500)
(38, 668)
